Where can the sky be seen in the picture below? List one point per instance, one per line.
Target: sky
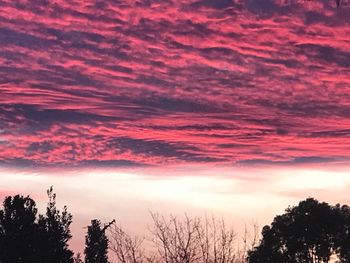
(197, 103)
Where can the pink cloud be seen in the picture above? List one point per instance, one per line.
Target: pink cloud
(162, 83)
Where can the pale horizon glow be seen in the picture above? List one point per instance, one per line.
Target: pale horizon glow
(238, 195)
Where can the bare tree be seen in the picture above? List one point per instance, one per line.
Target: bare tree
(250, 240)
(182, 240)
(125, 248)
(194, 240)
(176, 241)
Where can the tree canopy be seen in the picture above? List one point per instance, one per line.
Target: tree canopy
(310, 232)
(19, 231)
(26, 237)
(96, 243)
(56, 232)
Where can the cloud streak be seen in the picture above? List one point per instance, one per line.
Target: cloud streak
(153, 83)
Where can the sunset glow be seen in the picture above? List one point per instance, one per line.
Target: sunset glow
(240, 196)
(227, 107)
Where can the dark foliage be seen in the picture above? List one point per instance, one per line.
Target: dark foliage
(309, 232)
(96, 243)
(55, 228)
(19, 231)
(28, 238)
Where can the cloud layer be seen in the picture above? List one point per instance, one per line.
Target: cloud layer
(154, 83)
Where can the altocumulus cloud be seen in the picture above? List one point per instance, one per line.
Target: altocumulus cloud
(151, 83)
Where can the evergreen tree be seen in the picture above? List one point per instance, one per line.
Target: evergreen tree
(55, 227)
(96, 242)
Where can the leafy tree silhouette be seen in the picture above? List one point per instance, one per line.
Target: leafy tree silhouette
(55, 227)
(96, 242)
(342, 240)
(19, 231)
(28, 238)
(310, 232)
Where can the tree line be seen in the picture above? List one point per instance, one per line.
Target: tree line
(312, 231)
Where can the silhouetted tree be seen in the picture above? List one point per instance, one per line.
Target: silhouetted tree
(342, 240)
(55, 228)
(126, 248)
(188, 240)
(19, 231)
(194, 240)
(96, 243)
(309, 232)
(26, 238)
